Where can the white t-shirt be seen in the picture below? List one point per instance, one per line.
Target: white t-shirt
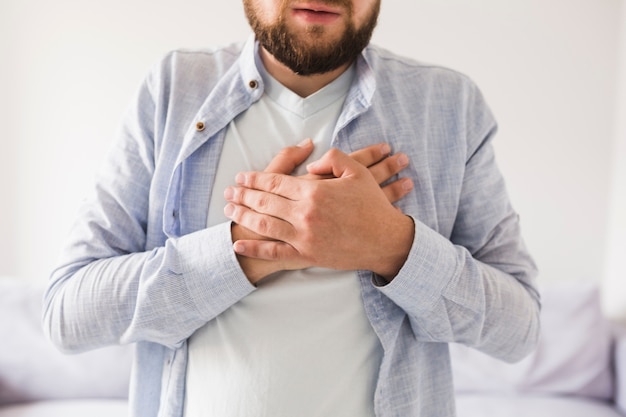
(300, 345)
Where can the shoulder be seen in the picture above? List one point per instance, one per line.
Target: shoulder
(187, 76)
(444, 99)
(408, 74)
(191, 70)
(423, 84)
(194, 67)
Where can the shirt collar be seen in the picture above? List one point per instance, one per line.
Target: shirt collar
(305, 107)
(362, 89)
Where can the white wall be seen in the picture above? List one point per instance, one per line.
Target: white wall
(8, 152)
(548, 69)
(614, 294)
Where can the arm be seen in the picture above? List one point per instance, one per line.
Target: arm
(119, 280)
(477, 287)
(474, 287)
(109, 288)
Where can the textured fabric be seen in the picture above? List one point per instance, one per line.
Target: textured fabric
(68, 408)
(573, 357)
(140, 265)
(481, 405)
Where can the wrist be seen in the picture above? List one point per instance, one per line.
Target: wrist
(397, 246)
(256, 269)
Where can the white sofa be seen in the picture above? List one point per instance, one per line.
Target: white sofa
(36, 380)
(579, 369)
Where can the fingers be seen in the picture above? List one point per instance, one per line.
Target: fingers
(271, 251)
(259, 223)
(336, 163)
(398, 189)
(263, 213)
(375, 157)
(261, 201)
(372, 154)
(387, 168)
(279, 184)
(289, 158)
(383, 167)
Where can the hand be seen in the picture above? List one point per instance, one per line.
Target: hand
(346, 222)
(375, 157)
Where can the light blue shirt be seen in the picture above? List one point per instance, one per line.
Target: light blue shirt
(141, 267)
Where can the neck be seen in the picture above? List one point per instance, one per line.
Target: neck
(302, 85)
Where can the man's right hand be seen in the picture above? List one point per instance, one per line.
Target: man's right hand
(377, 158)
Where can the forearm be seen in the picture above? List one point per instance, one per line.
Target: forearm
(161, 296)
(450, 296)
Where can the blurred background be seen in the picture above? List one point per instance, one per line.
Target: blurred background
(554, 73)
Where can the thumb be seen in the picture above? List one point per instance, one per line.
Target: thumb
(335, 163)
(289, 158)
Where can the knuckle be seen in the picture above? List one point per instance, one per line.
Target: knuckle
(263, 201)
(251, 180)
(275, 182)
(373, 155)
(393, 195)
(274, 252)
(309, 219)
(240, 195)
(312, 193)
(394, 192)
(286, 152)
(334, 152)
(240, 216)
(262, 225)
(390, 166)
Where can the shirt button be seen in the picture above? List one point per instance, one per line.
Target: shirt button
(200, 126)
(253, 84)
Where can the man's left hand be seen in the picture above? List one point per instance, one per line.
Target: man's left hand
(345, 222)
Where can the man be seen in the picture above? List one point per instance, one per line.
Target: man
(251, 292)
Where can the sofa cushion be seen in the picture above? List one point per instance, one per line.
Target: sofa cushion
(484, 405)
(573, 356)
(31, 368)
(68, 408)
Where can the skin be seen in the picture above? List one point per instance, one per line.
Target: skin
(338, 216)
(261, 253)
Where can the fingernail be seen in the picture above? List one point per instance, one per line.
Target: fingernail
(407, 184)
(403, 160)
(239, 248)
(229, 209)
(240, 178)
(229, 193)
(305, 143)
(385, 149)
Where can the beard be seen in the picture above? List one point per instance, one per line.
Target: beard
(307, 53)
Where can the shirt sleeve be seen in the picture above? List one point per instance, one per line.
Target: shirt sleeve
(111, 285)
(477, 286)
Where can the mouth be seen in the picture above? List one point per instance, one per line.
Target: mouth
(316, 13)
(316, 7)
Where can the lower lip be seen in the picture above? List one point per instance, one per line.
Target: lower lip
(319, 18)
